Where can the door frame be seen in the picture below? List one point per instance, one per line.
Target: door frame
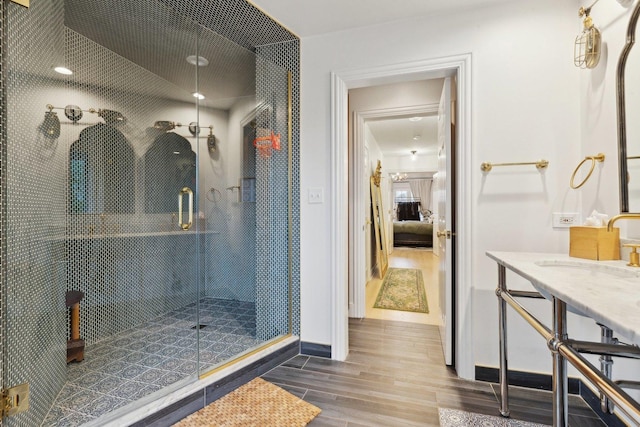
(357, 250)
(341, 82)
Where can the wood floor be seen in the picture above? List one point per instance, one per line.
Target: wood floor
(425, 261)
(395, 376)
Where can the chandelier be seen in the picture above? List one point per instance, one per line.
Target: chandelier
(397, 177)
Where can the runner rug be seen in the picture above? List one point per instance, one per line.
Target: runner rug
(403, 289)
(456, 418)
(257, 403)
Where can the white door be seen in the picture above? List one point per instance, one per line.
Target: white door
(444, 223)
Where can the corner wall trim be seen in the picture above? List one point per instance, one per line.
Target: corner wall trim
(544, 382)
(314, 349)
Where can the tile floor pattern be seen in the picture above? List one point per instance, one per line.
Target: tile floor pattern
(139, 361)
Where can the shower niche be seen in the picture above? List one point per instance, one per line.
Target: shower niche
(178, 274)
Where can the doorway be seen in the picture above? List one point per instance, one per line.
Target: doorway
(401, 131)
(422, 70)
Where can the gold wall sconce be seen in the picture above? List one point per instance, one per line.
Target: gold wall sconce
(587, 47)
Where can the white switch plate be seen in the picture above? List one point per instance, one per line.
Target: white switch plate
(566, 219)
(316, 195)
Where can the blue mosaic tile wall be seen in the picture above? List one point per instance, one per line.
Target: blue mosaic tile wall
(46, 251)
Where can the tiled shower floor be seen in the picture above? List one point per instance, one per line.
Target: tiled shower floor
(134, 363)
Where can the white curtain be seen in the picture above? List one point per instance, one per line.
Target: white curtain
(422, 188)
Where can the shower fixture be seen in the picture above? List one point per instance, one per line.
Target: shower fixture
(75, 113)
(211, 142)
(51, 125)
(194, 129)
(111, 117)
(587, 47)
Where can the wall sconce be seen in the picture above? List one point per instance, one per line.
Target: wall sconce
(586, 52)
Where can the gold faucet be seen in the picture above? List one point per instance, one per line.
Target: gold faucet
(621, 216)
(634, 257)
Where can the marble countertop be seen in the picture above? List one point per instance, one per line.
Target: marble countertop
(606, 291)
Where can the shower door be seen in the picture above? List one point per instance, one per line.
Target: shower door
(100, 206)
(245, 198)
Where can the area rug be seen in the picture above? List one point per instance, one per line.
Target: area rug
(257, 403)
(403, 289)
(456, 418)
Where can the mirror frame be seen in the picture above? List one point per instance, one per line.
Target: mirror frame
(378, 221)
(622, 128)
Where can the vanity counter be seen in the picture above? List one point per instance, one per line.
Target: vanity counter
(609, 294)
(606, 291)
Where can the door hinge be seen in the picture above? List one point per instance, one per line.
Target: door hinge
(445, 233)
(15, 400)
(24, 3)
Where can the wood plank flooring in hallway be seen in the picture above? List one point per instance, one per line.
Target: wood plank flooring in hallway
(395, 376)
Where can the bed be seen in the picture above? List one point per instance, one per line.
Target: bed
(412, 233)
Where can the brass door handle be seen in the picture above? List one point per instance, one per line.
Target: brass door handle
(445, 233)
(185, 225)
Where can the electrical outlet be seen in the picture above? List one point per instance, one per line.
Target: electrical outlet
(565, 219)
(316, 195)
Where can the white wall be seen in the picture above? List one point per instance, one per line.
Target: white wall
(526, 106)
(598, 121)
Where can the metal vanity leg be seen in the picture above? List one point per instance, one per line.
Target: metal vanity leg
(502, 318)
(560, 387)
(606, 365)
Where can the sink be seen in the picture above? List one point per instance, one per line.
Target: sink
(590, 269)
(586, 271)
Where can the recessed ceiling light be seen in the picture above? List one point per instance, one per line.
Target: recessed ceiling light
(415, 119)
(198, 95)
(416, 137)
(200, 61)
(63, 70)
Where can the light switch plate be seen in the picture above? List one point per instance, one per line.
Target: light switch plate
(316, 195)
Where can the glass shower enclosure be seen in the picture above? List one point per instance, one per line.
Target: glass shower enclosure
(146, 193)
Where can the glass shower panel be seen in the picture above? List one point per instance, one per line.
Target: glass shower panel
(97, 167)
(244, 175)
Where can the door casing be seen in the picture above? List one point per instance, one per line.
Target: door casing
(456, 65)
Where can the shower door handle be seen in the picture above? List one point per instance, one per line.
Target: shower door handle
(185, 225)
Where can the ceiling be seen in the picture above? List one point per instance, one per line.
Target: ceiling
(397, 137)
(312, 17)
(159, 40)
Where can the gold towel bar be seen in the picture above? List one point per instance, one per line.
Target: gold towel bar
(487, 166)
(599, 157)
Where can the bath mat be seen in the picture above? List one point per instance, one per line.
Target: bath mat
(455, 418)
(257, 403)
(403, 289)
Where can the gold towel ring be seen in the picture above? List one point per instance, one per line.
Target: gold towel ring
(599, 157)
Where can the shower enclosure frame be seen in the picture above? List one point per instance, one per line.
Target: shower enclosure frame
(276, 44)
